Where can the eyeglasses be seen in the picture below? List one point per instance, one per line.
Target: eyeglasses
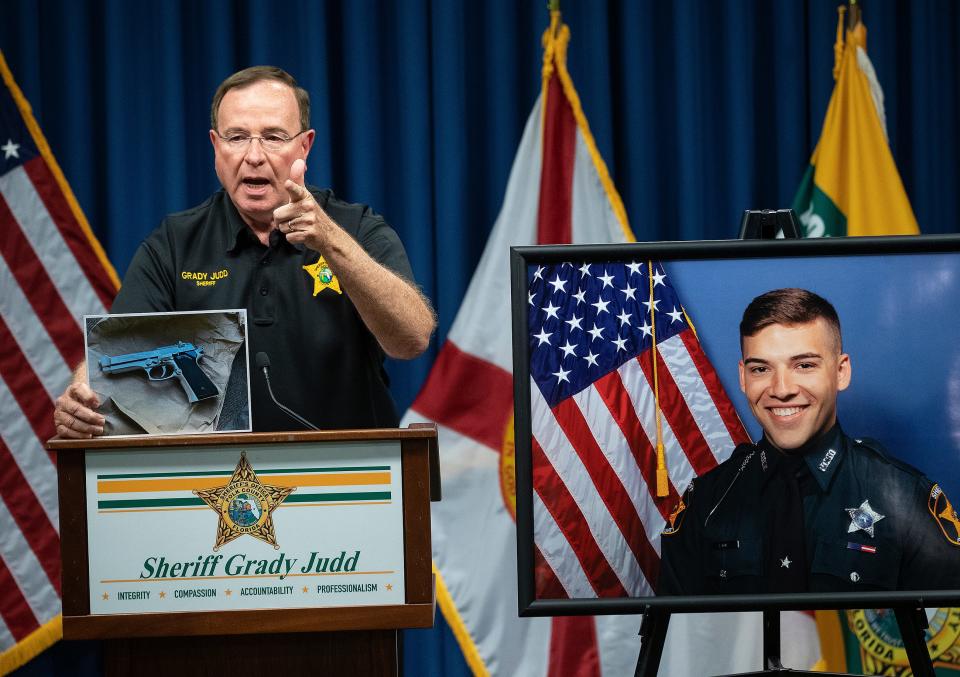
(271, 143)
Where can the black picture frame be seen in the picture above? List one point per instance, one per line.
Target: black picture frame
(523, 257)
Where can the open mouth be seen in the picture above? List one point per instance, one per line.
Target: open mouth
(255, 183)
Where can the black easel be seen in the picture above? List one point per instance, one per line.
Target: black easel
(769, 224)
(653, 633)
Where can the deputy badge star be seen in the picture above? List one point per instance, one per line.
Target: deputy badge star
(245, 505)
(10, 149)
(785, 562)
(323, 277)
(863, 518)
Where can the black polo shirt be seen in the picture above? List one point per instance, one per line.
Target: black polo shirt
(325, 364)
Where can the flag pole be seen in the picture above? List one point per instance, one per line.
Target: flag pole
(554, 8)
(855, 23)
(855, 15)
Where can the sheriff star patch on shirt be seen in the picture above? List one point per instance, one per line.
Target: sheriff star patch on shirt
(944, 514)
(323, 277)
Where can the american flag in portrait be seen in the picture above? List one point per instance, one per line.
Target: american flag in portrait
(601, 399)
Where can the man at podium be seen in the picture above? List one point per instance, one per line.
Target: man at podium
(327, 284)
(806, 508)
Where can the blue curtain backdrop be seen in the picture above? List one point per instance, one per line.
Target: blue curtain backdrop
(701, 109)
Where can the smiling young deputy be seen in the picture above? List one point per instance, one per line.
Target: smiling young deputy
(327, 285)
(806, 508)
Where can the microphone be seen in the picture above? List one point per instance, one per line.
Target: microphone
(262, 360)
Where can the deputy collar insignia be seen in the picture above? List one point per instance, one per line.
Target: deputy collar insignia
(245, 505)
(945, 515)
(863, 518)
(785, 562)
(827, 459)
(322, 277)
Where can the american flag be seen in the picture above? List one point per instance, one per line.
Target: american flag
(594, 411)
(52, 271)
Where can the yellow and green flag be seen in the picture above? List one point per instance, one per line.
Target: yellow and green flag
(852, 186)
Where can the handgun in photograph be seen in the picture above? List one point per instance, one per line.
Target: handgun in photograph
(178, 361)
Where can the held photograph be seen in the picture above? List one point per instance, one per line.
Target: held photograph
(743, 420)
(170, 373)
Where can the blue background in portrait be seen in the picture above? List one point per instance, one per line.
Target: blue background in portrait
(900, 328)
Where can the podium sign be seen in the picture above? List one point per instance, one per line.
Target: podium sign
(177, 549)
(233, 526)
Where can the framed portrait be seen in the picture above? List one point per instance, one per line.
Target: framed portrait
(627, 388)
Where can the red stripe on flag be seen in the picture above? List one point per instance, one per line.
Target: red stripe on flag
(15, 611)
(678, 415)
(29, 516)
(712, 382)
(56, 203)
(573, 647)
(38, 288)
(555, 210)
(566, 513)
(468, 395)
(25, 386)
(608, 486)
(546, 583)
(615, 396)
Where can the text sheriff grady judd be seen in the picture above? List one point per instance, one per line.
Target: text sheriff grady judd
(242, 565)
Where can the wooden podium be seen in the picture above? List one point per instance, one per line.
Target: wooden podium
(313, 638)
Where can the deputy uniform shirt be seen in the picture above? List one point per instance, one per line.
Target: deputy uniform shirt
(325, 364)
(867, 522)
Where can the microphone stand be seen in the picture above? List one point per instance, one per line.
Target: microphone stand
(289, 412)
